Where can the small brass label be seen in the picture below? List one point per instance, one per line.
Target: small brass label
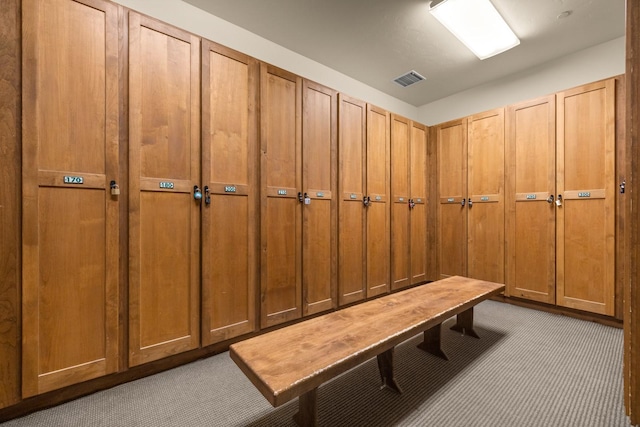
(73, 180)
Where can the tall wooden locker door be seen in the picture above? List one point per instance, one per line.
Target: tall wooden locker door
(378, 220)
(320, 207)
(530, 196)
(452, 198)
(586, 183)
(352, 236)
(418, 203)
(70, 221)
(229, 175)
(281, 209)
(485, 157)
(164, 176)
(400, 195)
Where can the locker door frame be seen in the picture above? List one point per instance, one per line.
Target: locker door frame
(271, 319)
(396, 201)
(138, 354)
(421, 201)
(32, 179)
(250, 190)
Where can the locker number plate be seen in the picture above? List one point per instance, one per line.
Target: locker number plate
(319, 194)
(73, 180)
(166, 184)
(229, 188)
(451, 200)
(282, 192)
(353, 197)
(584, 194)
(484, 198)
(531, 196)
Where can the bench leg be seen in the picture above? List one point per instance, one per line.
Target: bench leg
(431, 343)
(307, 415)
(385, 365)
(464, 324)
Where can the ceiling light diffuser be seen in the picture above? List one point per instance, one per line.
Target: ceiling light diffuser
(477, 24)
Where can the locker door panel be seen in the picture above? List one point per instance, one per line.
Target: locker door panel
(164, 168)
(586, 181)
(452, 193)
(531, 180)
(319, 239)
(378, 213)
(351, 225)
(418, 183)
(70, 220)
(281, 144)
(485, 256)
(400, 193)
(230, 215)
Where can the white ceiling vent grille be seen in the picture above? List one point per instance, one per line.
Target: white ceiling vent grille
(408, 79)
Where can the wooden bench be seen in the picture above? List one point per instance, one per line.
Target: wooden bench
(295, 360)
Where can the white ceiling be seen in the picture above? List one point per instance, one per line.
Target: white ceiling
(375, 41)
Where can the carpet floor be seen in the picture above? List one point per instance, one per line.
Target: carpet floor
(530, 368)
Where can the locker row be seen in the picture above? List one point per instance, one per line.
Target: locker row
(177, 194)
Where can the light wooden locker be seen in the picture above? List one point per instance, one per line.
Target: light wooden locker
(586, 182)
(378, 221)
(319, 208)
(281, 211)
(530, 197)
(400, 195)
(452, 198)
(352, 174)
(164, 177)
(485, 192)
(364, 201)
(70, 219)
(418, 203)
(229, 176)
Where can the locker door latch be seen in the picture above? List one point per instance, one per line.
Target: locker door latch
(470, 203)
(623, 185)
(559, 200)
(366, 201)
(207, 195)
(412, 204)
(115, 190)
(462, 202)
(550, 199)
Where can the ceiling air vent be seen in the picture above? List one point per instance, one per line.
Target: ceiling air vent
(408, 79)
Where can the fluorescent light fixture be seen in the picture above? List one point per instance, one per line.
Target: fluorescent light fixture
(477, 24)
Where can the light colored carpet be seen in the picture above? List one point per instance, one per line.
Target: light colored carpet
(530, 368)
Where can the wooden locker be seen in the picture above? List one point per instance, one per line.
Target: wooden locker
(485, 180)
(530, 196)
(164, 176)
(281, 211)
(70, 219)
(452, 198)
(378, 221)
(364, 201)
(400, 195)
(586, 182)
(352, 173)
(319, 184)
(229, 175)
(418, 203)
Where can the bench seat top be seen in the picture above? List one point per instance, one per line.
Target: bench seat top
(288, 362)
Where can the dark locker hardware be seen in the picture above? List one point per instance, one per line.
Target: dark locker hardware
(462, 202)
(366, 201)
(207, 195)
(115, 190)
(623, 185)
(412, 204)
(300, 197)
(550, 199)
(470, 203)
(559, 201)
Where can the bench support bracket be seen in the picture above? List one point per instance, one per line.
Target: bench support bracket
(431, 343)
(385, 365)
(307, 415)
(464, 324)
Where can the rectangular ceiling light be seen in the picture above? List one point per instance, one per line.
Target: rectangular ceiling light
(477, 24)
